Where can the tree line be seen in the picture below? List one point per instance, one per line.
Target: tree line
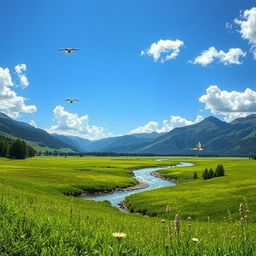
(209, 174)
(16, 149)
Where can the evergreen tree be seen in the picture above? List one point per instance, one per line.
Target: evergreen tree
(3, 148)
(195, 176)
(219, 170)
(30, 151)
(17, 150)
(205, 174)
(211, 173)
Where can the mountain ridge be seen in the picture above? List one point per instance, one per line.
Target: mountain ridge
(216, 136)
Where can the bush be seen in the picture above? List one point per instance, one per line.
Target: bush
(195, 176)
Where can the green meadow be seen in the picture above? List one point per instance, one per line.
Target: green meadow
(41, 215)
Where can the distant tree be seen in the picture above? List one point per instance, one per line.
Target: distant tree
(30, 152)
(17, 150)
(211, 173)
(205, 174)
(195, 176)
(219, 171)
(3, 148)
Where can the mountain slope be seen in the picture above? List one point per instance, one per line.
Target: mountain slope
(125, 143)
(129, 143)
(79, 143)
(216, 136)
(27, 132)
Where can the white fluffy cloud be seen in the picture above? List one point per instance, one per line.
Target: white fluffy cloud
(10, 102)
(167, 125)
(231, 104)
(247, 27)
(164, 50)
(20, 69)
(73, 125)
(232, 56)
(150, 127)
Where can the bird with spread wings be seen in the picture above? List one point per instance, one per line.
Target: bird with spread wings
(69, 50)
(71, 100)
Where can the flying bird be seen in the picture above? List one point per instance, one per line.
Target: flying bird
(69, 50)
(198, 147)
(71, 100)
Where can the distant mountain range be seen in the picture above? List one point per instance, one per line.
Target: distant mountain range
(216, 137)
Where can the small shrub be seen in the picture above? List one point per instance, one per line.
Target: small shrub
(195, 176)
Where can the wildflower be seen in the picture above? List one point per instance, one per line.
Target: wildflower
(168, 209)
(177, 222)
(119, 235)
(189, 222)
(23, 236)
(241, 208)
(195, 240)
(163, 221)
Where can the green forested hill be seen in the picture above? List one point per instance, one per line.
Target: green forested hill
(29, 133)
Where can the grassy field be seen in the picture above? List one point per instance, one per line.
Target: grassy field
(201, 199)
(38, 218)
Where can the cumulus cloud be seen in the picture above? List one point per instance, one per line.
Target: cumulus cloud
(11, 103)
(164, 50)
(73, 125)
(232, 56)
(247, 27)
(167, 125)
(20, 69)
(231, 104)
(247, 23)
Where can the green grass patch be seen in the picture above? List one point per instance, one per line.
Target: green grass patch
(37, 218)
(200, 198)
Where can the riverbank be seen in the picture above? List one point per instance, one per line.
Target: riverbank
(158, 175)
(148, 179)
(106, 192)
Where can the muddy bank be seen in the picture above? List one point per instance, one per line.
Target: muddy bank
(105, 192)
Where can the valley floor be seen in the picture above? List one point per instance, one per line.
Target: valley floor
(39, 217)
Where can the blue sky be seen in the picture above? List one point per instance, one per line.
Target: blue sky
(120, 90)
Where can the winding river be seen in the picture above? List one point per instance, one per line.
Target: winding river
(144, 176)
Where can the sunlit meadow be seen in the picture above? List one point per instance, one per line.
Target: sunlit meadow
(197, 217)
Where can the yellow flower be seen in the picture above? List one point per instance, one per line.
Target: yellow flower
(119, 235)
(195, 240)
(23, 236)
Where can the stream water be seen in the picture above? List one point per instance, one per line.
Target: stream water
(144, 176)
